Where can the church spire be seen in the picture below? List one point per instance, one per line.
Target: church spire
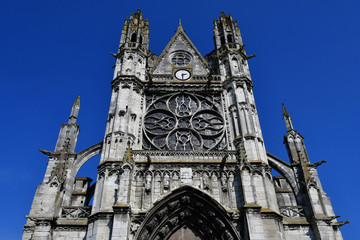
(287, 119)
(75, 110)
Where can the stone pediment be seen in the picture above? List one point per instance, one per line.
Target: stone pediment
(180, 48)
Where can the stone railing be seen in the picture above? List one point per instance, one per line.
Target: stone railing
(167, 155)
(292, 211)
(76, 212)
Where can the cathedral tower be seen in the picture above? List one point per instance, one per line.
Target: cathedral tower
(183, 156)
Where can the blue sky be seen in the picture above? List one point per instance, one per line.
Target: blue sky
(308, 56)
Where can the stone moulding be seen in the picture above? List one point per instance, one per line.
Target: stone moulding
(189, 206)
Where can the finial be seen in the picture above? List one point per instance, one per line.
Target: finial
(138, 14)
(285, 112)
(77, 100)
(287, 119)
(75, 110)
(180, 28)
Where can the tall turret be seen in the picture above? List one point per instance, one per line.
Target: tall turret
(123, 129)
(226, 32)
(229, 58)
(133, 48)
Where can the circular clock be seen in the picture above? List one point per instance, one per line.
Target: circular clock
(182, 74)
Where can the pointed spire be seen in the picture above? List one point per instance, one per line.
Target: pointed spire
(75, 110)
(138, 14)
(285, 112)
(287, 119)
(180, 28)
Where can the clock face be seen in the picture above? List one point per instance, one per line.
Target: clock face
(182, 74)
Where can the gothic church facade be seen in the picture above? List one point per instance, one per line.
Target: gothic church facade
(183, 155)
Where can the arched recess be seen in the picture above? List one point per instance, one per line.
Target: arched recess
(285, 170)
(191, 208)
(85, 155)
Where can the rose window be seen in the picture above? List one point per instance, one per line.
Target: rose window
(183, 122)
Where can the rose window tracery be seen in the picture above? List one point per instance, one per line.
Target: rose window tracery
(183, 122)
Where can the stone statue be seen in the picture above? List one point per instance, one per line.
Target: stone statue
(148, 183)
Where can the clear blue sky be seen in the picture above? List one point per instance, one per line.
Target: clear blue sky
(308, 56)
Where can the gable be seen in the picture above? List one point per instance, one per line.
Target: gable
(180, 48)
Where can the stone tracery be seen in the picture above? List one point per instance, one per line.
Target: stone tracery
(183, 122)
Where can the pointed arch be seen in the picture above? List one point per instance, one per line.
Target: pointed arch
(285, 170)
(187, 207)
(85, 155)
(133, 37)
(229, 38)
(222, 40)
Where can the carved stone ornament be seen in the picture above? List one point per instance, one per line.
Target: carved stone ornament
(223, 182)
(292, 211)
(58, 174)
(75, 212)
(128, 157)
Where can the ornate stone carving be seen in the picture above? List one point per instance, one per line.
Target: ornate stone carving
(75, 212)
(223, 182)
(128, 157)
(134, 227)
(58, 174)
(292, 211)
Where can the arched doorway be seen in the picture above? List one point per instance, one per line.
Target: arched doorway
(190, 214)
(185, 233)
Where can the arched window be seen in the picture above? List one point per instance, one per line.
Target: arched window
(141, 39)
(222, 40)
(229, 38)
(236, 65)
(133, 37)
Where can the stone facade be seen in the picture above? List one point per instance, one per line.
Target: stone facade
(183, 155)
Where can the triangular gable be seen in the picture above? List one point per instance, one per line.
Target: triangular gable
(180, 43)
